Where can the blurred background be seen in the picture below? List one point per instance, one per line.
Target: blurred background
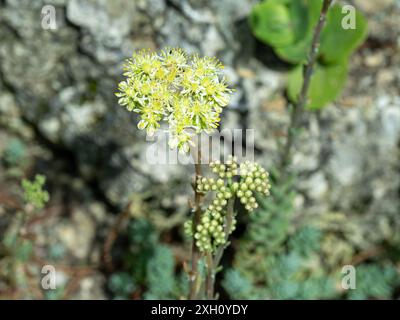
(113, 228)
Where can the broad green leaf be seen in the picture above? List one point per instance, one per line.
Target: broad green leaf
(326, 84)
(288, 26)
(304, 16)
(338, 43)
(271, 23)
(296, 52)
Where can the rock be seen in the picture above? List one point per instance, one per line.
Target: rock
(308, 147)
(98, 212)
(347, 160)
(373, 6)
(61, 279)
(91, 288)
(108, 22)
(389, 123)
(77, 234)
(316, 186)
(363, 155)
(385, 77)
(213, 42)
(375, 60)
(10, 115)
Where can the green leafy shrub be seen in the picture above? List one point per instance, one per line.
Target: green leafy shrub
(375, 281)
(290, 278)
(121, 285)
(56, 251)
(237, 285)
(306, 241)
(14, 153)
(273, 261)
(24, 250)
(285, 276)
(149, 267)
(161, 274)
(287, 26)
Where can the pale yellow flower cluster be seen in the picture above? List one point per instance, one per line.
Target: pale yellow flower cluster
(184, 90)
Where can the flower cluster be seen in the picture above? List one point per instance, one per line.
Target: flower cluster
(227, 169)
(233, 181)
(184, 90)
(254, 178)
(210, 232)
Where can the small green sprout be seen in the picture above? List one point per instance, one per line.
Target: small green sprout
(34, 193)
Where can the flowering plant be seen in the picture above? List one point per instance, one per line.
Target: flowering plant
(188, 93)
(184, 90)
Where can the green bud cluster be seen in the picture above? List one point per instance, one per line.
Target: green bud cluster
(233, 181)
(188, 228)
(227, 170)
(210, 232)
(253, 178)
(233, 225)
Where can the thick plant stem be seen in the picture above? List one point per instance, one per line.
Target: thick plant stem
(213, 262)
(195, 256)
(298, 107)
(210, 276)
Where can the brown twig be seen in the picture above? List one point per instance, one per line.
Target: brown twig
(46, 214)
(9, 201)
(365, 255)
(112, 236)
(298, 107)
(75, 282)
